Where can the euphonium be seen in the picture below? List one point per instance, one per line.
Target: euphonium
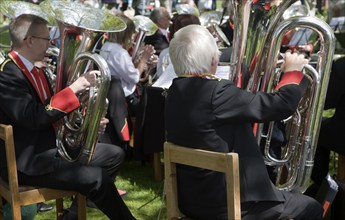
(258, 35)
(144, 26)
(80, 28)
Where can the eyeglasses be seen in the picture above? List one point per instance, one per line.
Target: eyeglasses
(43, 38)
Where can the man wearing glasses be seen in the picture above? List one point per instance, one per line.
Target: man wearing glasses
(29, 105)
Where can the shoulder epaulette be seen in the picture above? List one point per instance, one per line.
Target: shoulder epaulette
(4, 63)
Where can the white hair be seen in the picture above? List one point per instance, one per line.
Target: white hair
(192, 50)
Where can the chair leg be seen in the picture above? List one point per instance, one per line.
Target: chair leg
(1, 209)
(59, 208)
(16, 212)
(157, 167)
(81, 199)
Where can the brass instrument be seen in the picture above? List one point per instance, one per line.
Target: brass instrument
(258, 35)
(80, 28)
(211, 20)
(13, 9)
(187, 9)
(144, 26)
(50, 68)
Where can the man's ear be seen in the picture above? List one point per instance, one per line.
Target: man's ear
(214, 61)
(28, 42)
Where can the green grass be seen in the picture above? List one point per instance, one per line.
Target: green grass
(144, 194)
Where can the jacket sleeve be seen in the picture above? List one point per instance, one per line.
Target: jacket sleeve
(21, 105)
(236, 105)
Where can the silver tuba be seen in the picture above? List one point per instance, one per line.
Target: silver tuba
(81, 29)
(254, 65)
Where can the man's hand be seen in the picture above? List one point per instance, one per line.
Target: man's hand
(293, 62)
(85, 81)
(149, 51)
(102, 125)
(44, 63)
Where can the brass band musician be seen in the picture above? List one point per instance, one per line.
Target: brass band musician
(203, 111)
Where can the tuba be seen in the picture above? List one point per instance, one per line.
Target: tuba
(254, 66)
(81, 29)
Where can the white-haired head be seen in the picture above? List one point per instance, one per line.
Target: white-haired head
(193, 50)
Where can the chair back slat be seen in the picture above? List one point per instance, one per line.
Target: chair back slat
(221, 162)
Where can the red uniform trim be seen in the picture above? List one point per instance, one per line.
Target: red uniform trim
(65, 100)
(125, 132)
(292, 77)
(37, 76)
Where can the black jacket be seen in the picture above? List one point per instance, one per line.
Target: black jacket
(215, 115)
(32, 121)
(158, 41)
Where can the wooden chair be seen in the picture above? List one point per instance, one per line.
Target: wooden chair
(222, 162)
(19, 196)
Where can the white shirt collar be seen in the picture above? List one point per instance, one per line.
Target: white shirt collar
(29, 66)
(164, 32)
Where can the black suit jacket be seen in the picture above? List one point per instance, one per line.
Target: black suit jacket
(32, 121)
(215, 115)
(158, 41)
(333, 129)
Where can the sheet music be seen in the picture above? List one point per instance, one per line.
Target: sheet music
(165, 80)
(223, 72)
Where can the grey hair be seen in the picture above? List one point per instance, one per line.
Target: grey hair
(192, 50)
(24, 25)
(157, 13)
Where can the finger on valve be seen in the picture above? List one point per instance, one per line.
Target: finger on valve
(294, 62)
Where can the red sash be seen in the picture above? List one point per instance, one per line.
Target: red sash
(36, 78)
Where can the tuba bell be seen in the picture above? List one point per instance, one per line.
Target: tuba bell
(81, 29)
(211, 20)
(144, 26)
(259, 29)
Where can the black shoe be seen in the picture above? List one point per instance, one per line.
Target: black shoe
(90, 204)
(69, 214)
(42, 207)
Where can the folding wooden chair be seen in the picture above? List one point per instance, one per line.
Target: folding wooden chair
(19, 196)
(222, 162)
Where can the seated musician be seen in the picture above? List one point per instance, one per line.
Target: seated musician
(115, 52)
(29, 105)
(203, 111)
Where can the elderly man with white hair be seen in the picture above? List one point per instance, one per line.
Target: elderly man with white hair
(203, 111)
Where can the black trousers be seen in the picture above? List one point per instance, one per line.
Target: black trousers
(95, 180)
(296, 206)
(331, 138)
